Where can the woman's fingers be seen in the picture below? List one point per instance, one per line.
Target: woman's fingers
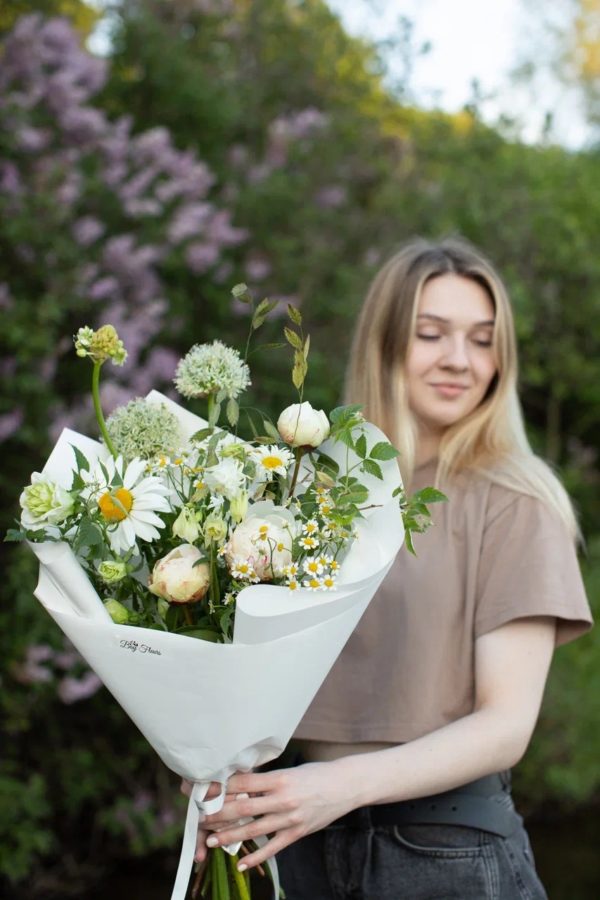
(254, 829)
(247, 807)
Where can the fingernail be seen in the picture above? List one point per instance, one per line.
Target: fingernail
(241, 867)
(212, 841)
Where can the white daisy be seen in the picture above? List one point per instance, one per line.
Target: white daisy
(312, 584)
(128, 501)
(272, 460)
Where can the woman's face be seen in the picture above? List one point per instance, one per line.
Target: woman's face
(450, 361)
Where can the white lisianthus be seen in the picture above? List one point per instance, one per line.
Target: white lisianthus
(226, 478)
(302, 426)
(179, 577)
(186, 526)
(263, 541)
(44, 503)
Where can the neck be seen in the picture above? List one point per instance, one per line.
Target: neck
(428, 445)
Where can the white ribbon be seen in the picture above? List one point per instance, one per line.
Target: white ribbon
(199, 807)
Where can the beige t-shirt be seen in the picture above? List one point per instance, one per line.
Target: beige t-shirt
(492, 555)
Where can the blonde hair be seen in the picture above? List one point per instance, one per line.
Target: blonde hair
(491, 440)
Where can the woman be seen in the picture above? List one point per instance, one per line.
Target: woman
(405, 790)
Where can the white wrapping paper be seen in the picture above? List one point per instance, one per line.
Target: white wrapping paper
(211, 709)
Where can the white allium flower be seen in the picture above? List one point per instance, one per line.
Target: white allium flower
(226, 478)
(143, 429)
(211, 368)
(128, 502)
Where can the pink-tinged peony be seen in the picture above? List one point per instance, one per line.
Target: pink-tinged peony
(179, 577)
(263, 541)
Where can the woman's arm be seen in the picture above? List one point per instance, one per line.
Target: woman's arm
(511, 666)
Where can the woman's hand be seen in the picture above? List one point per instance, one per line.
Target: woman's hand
(287, 804)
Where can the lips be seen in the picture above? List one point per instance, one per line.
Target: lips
(449, 389)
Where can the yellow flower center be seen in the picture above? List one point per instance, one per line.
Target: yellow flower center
(328, 582)
(313, 567)
(272, 462)
(293, 585)
(116, 505)
(314, 583)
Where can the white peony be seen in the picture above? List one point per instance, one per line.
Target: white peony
(179, 578)
(263, 540)
(302, 426)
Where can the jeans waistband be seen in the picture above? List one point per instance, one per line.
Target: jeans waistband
(485, 804)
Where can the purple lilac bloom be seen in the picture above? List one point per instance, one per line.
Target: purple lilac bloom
(87, 230)
(72, 690)
(10, 423)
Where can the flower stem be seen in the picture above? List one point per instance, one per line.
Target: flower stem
(214, 578)
(98, 408)
(299, 455)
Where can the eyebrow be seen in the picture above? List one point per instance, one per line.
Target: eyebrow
(486, 323)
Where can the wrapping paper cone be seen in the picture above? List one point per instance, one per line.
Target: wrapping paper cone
(211, 709)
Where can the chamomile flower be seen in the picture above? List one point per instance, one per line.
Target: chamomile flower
(328, 583)
(272, 460)
(308, 542)
(293, 585)
(312, 584)
(311, 527)
(127, 501)
(312, 566)
(291, 571)
(243, 570)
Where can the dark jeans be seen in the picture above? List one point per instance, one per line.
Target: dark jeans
(410, 862)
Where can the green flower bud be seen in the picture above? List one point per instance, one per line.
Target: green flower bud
(239, 507)
(215, 529)
(118, 613)
(112, 570)
(186, 526)
(44, 503)
(100, 345)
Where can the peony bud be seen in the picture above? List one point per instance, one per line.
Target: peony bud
(179, 577)
(302, 426)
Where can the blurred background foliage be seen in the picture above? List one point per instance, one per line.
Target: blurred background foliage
(224, 141)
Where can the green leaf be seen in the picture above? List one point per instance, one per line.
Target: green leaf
(202, 434)
(429, 495)
(204, 634)
(214, 414)
(383, 450)
(360, 446)
(270, 430)
(240, 292)
(306, 347)
(82, 462)
(15, 534)
(372, 468)
(294, 314)
(292, 338)
(232, 412)
(327, 463)
(274, 345)
(344, 413)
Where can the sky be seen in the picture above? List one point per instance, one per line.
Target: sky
(471, 39)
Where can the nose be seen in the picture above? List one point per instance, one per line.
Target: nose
(455, 353)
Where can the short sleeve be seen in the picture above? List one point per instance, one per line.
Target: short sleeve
(528, 567)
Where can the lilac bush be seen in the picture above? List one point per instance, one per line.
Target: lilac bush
(93, 216)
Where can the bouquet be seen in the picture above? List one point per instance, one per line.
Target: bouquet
(199, 573)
